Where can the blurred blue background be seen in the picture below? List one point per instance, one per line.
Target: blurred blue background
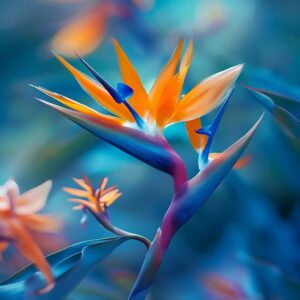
(245, 242)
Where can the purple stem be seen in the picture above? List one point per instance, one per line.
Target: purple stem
(105, 222)
(155, 254)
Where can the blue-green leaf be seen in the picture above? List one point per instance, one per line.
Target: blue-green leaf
(286, 120)
(69, 267)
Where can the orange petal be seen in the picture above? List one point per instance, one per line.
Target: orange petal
(103, 183)
(41, 223)
(76, 105)
(168, 100)
(30, 250)
(83, 184)
(110, 197)
(97, 91)
(187, 57)
(139, 100)
(172, 90)
(197, 140)
(163, 79)
(34, 199)
(84, 203)
(205, 96)
(76, 192)
(83, 34)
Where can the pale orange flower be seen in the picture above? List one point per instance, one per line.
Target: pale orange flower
(19, 220)
(95, 200)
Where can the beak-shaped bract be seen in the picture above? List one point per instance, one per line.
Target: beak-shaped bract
(140, 117)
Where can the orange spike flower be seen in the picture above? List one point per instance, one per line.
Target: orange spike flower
(19, 220)
(162, 106)
(95, 200)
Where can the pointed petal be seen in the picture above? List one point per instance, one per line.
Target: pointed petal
(172, 90)
(197, 140)
(163, 79)
(103, 183)
(110, 197)
(139, 100)
(83, 184)
(168, 100)
(187, 57)
(30, 250)
(85, 203)
(76, 105)
(76, 192)
(34, 199)
(41, 223)
(205, 96)
(153, 150)
(97, 91)
(104, 118)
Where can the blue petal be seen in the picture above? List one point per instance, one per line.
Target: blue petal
(124, 90)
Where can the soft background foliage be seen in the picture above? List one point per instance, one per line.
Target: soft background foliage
(253, 216)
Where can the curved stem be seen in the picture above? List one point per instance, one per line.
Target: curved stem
(134, 236)
(105, 222)
(178, 171)
(154, 256)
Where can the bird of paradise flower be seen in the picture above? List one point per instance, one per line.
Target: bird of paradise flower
(137, 128)
(140, 116)
(97, 201)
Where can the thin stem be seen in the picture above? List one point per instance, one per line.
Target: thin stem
(118, 231)
(134, 236)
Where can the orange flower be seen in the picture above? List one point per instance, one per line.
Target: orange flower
(18, 221)
(96, 200)
(85, 32)
(162, 105)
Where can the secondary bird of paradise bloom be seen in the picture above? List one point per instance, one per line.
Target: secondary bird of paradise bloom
(97, 202)
(19, 220)
(139, 117)
(84, 32)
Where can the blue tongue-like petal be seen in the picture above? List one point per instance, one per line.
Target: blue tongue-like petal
(124, 90)
(120, 95)
(211, 129)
